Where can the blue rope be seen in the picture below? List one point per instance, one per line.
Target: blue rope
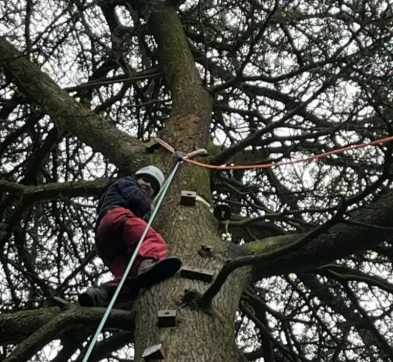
(160, 197)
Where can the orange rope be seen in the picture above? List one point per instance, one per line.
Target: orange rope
(278, 164)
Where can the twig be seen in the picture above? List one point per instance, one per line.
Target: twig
(61, 302)
(63, 285)
(345, 273)
(266, 332)
(252, 138)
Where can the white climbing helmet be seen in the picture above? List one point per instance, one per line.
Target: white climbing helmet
(154, 172)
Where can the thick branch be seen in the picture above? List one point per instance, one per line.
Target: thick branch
(70, 342)
(67, 113)
(16, 327)
(340, 241)
(52, 191)
(266, 337)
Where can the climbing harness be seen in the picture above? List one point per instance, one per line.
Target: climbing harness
(157, 203)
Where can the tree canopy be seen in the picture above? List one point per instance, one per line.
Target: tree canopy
(303, 267)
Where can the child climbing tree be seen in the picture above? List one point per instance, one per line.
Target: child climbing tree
(85, 89)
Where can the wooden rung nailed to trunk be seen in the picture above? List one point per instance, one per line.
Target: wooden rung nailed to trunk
(188, 198)
(167, 318)
(197, 274)
(153, 353)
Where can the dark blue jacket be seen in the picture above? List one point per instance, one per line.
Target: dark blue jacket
(125, 192)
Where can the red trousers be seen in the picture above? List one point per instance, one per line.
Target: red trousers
(117, 236)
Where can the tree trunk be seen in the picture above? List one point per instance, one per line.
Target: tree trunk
(201, 335)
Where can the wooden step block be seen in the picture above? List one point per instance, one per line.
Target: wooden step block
(188, 198)
(167, 318)
(197, 274)
(153, 353)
